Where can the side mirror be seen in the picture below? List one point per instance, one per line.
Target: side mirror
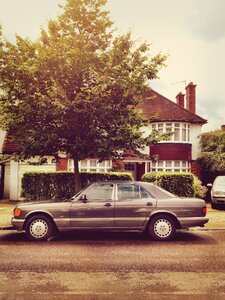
(83, 198)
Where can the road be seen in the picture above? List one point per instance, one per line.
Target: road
(113, 266)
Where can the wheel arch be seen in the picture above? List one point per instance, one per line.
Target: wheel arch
(163, 213)
(42, 213)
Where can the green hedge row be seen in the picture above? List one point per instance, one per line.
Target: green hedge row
(60, 185)
(180, 184)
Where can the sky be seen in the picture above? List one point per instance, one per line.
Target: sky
(191, 32)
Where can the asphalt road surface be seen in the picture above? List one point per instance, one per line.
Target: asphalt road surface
(113, 266)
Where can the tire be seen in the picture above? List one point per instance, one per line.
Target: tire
(162, 228)
(39, 228)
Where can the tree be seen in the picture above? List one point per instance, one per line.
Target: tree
(76, 89)
(212, 156)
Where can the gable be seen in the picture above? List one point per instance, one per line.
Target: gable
(165, 110)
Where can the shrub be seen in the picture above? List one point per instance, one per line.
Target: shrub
(199, 190)
(60, 185)
(180, 184)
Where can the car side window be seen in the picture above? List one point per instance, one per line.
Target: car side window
(131, 192)
(144, 194)
(100, 193)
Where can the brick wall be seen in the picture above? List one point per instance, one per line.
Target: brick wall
(171, 151)
(62, 164)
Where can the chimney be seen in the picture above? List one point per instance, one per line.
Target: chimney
(190, 97)
(180, 99)
(223, 127)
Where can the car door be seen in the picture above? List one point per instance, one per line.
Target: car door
(94, 207)
(133, 206)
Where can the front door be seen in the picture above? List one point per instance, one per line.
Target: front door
(132, 168)
(95, 208)
(133, 206)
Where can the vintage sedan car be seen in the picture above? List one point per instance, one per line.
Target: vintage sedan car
(119, 206)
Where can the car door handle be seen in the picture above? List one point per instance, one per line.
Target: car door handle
(107, 204)
(149, 203)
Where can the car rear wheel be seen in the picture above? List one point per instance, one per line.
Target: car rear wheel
(39, 228)
(162, 228)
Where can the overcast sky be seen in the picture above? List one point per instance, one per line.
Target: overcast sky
(192, 33)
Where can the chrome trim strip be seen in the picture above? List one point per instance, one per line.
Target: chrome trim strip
(90, 219)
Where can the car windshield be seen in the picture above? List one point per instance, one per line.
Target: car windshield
(77, 194)
(220, 180)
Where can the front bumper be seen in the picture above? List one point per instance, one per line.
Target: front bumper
(218, 200)
(18, 223)
(192, 222)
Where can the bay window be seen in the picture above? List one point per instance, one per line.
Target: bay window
(181, 131)
(170, 166)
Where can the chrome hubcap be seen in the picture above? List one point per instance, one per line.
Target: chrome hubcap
(162, 228)
(38, 228)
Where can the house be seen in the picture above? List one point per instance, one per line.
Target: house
(177, 154)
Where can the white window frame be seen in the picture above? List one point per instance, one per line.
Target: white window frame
(170, 166)
(182, 129)
(104, 166)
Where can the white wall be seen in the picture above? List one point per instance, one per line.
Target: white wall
(7, 181)
(195, 131)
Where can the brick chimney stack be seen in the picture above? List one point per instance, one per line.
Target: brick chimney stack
(180, 99)
(191, 97)
(223, 127)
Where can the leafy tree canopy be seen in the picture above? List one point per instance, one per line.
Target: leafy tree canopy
(212, 157)
(75, 90)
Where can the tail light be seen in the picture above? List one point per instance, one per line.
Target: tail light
(204, 210)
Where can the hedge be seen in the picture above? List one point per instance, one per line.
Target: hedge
(180, 184)
(60, 185)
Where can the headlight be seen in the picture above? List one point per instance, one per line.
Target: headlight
(17, 212)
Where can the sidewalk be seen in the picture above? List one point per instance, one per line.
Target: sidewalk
(216, 217)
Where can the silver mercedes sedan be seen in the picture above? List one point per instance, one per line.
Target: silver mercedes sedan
(114, 205)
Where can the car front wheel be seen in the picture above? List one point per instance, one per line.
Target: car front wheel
(39, 228)
(162, 228)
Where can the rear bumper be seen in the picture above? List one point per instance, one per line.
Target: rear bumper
(192, 222)
(18, 223)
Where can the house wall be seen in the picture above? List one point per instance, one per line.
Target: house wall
(6, 181)
(195, 131)
(171, 151)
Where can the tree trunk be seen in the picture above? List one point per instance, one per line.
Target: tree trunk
(76, 176)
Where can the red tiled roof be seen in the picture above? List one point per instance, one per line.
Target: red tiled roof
(130, 155)
(9, 146)
(166, 110)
